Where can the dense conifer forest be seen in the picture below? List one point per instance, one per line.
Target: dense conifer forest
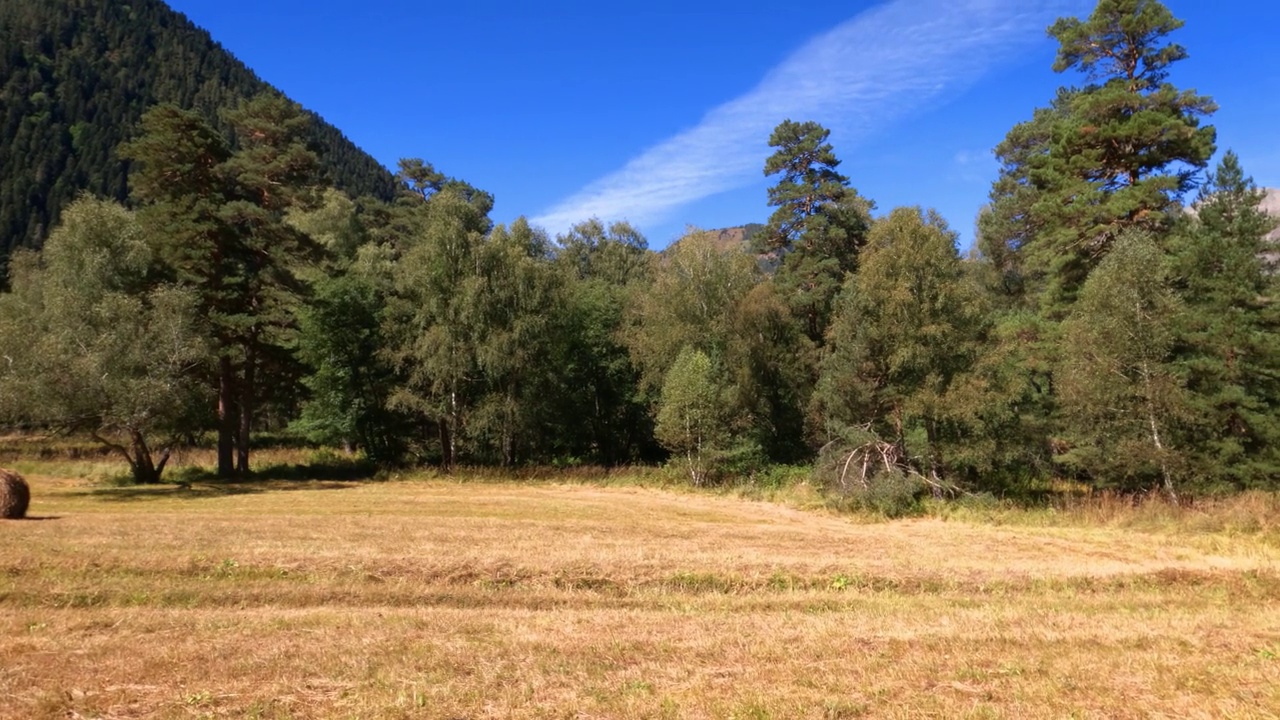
(239, 267)
(75, 78)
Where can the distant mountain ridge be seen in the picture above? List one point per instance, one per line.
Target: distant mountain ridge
(742, 238)
(1271, 206)
(734, 237)
(75, 78)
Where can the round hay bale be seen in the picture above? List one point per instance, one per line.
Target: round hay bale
(15, 495)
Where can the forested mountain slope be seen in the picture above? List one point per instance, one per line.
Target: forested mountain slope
(76, 76)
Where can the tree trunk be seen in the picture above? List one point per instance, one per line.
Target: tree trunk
(226, 418)
(145, 471)
(935, 457)
(454, 422)
(508, 431)
(1165, 476)
(1164, 464)
(246, 412)
(446, 446)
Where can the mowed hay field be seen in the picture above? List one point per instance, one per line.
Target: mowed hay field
(435, 599)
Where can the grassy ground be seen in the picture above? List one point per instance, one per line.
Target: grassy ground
(438, 599)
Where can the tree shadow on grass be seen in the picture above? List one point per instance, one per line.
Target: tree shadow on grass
(201, 484)
(207, 490)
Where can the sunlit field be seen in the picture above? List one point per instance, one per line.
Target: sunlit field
(436, 598)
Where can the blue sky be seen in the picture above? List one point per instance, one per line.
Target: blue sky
(659, 112)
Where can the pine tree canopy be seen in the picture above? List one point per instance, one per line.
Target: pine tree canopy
(1117, 154)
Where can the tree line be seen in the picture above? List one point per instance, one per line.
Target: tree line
(1114, 326)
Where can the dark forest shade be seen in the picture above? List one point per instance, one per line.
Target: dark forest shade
(75, 78)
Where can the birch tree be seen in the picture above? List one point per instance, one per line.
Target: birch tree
(1121, 391)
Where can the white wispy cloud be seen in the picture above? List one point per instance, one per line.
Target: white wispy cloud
(853, 79)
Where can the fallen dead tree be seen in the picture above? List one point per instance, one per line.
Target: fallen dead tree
(876, 475)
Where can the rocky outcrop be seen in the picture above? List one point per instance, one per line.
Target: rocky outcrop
(1271, 204)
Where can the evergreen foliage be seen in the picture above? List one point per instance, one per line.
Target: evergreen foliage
(1227, 333)
(1132, 376)
(1009, 225)
(1004, 406)
(819, 226)
(809, 189)
(219, 219)
(1115, 155)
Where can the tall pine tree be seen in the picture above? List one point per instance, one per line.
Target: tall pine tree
(219, 217)
(819, 226)
(1115, 155)
(1227, 334)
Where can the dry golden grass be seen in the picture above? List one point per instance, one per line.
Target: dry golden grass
(436, 599)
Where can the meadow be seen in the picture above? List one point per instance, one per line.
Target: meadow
(484, 597)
